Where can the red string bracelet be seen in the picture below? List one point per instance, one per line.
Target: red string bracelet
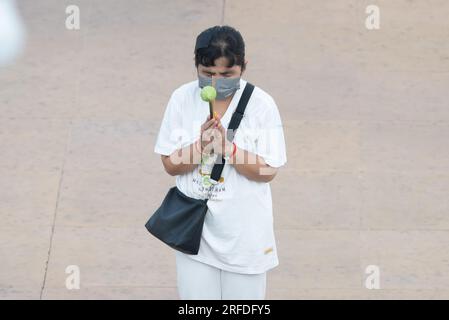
(233, 152)
(235, 149)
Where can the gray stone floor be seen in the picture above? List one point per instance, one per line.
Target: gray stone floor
(366, 119)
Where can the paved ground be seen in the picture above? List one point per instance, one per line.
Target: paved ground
(366, 121)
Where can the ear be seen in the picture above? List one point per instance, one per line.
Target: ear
(245, 64)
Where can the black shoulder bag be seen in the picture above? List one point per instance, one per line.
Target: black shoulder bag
(179, 220)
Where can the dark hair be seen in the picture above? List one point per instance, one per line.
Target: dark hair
(217, 42)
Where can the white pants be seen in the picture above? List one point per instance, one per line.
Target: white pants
(200, 281)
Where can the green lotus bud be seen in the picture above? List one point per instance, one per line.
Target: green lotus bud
(208, 93)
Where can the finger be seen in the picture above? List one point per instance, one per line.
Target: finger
(217, 134)
(208, 124)
(207, 134)
(218, 125)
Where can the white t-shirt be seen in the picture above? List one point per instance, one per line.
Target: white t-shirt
(238, 231)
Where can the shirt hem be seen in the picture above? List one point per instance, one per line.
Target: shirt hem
(242, 270)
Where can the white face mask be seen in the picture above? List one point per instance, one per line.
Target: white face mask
(225, 86)
(11, 32)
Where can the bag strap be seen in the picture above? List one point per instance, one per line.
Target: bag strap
(232, 128)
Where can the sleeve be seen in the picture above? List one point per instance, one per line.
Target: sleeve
(270, 143)
(169, 137)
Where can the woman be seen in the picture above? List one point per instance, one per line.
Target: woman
(237, 246)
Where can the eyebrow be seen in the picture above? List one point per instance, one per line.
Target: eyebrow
(207, 71)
